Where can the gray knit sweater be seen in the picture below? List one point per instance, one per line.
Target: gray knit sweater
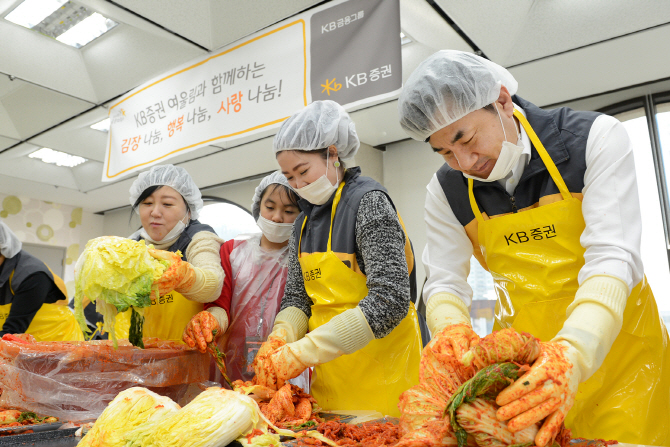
(380, 253)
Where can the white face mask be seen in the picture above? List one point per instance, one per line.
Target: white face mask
(273, 231)
(508, 158)
(174, 233)
(318, 192)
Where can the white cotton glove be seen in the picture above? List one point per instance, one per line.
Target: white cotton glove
(594, 321)
(445, 309)
(290, 325)
(343, 334)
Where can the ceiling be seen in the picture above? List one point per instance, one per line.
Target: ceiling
(51, 93)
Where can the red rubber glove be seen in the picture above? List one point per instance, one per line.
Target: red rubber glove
(546, 391)
(198, 331)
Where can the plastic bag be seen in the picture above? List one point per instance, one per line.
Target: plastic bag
(76, 380)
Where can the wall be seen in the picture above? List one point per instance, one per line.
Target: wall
(49, 223)
(120, 223)
(408, 167)
(116, 223)
(371, 161)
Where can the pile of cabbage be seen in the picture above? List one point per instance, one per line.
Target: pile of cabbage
(454, 402)
(116, 274)
(138, 417)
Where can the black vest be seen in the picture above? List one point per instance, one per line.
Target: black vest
(23, 265)
(186, 236)
(563, 132)
(315, 235)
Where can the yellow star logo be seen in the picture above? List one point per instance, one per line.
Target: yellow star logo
(330, 85)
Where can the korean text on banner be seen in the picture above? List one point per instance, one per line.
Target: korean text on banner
(237, 92)
(347, 51)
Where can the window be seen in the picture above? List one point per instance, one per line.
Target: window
(227, 219)
(654, 253)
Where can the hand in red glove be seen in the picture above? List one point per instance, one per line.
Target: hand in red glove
(546, 391)
(199, 331)
(178, 276)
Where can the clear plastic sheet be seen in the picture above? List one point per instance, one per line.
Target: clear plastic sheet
(76, 380)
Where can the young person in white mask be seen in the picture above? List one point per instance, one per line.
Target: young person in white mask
(351, 269)
(168, 202)
(547, 201)
(255, 266)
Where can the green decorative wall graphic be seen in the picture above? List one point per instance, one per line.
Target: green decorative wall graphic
(46, 223)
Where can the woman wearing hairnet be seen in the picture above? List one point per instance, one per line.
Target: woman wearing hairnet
(255, 266)
(168, 202)
(547, 201)
(350, 263)
(33, 300)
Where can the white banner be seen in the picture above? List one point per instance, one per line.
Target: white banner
(252, 86)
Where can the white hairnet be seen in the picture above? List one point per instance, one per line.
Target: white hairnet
(176, 178)
(10, 245)
(318, 126)
(275, 178)
(446, 87)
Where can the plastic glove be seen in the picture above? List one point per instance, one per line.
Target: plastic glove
(198, 331)
(459, 336)
(546, 391)
(285, 365)
(179, 276)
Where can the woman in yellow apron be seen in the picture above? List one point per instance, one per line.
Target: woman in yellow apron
(168, 202)
(562, 247)
(34, 299)
(350, 267)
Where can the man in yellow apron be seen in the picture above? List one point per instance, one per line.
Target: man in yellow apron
(350, 265)
(169, 203)
(547, 202)
(33, 298)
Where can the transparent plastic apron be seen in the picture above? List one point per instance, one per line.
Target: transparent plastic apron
(371, 378)
(53, 322)
(534, 257)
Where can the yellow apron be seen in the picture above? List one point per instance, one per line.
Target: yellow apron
(165, 319)
(374, 377)
(53, 322)
(534, 257)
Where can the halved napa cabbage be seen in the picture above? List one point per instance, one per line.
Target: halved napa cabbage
(116, 273)
(216, 417)
(132, 409)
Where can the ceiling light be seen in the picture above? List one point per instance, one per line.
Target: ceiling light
(31, 12)
(404, 40)
(56, 157)
(102, 126)
(65, 21)
(85, 31)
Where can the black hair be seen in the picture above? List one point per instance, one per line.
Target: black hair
(146, 193)
(292, 196)
(490, 107)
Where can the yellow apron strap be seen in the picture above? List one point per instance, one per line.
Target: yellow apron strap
(11, 275)
(548, 162)
(544, 155)
(473, 202)
(336, 201)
